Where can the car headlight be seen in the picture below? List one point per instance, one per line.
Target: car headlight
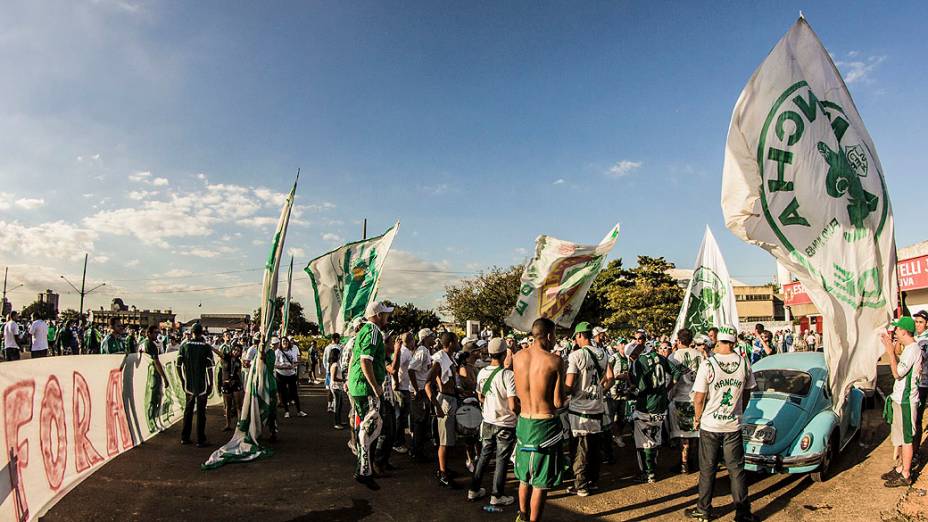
(806, 442)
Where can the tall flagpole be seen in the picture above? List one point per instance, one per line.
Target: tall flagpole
(285, 320)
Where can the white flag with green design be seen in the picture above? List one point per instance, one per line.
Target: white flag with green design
(260, 385)
(802, 180)
(556, 279)
(709, 299)
(345, 280)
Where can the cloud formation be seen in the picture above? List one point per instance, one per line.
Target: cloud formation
(624, 168)
(859, 70)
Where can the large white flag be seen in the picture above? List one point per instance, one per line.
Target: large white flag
(556, 280)
(346, 280)
(709, 300)
(802, 180)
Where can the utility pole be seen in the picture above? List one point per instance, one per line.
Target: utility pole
(364, 229)
(6, 272)
(82, 292)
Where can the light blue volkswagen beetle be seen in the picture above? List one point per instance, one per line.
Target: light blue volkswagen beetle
(789, 424)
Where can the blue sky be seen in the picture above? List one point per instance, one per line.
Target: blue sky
(159, 136)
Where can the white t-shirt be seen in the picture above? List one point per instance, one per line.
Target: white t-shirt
(810, 340)
(283, 358)
(419, 365)
(909, 361)
(687, 362)
(447, 365)
(403, 371)
(10, 333)
(496, 401)
(326, 353)
(250, 355)
(39, 332)
(922, 341)
(588, 390)
(723, 378)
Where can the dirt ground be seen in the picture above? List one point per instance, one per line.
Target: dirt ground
(309, 479)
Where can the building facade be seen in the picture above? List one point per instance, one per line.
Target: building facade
(130, 315)
(50, 300)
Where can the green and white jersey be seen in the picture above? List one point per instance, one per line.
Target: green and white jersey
(651, 375)
(113, 344)
(368, 344)
(588, 365)
(723, 378)
(905, 389)
(620, 369)
(685, 363)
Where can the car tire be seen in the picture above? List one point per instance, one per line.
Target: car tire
(828, 458)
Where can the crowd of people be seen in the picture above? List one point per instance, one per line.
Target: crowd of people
(556, 410)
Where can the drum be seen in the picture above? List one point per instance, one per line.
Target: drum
(468, 418)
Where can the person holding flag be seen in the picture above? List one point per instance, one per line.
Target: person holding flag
(900, 410)
(366, 376)
(651, 376)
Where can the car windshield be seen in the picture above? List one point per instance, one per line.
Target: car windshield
(783, 381)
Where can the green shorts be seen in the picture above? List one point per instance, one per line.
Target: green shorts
(540, 462)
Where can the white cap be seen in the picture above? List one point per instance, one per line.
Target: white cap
(425, 332)
(524, 341)
(377, 308)
(702, 339)
(481, 343)
(598, 330)
(724, 336)
(275, 340)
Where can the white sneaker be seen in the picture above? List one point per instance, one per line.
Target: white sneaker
(501, 501)
(474, 495)
(302, 413)
(287, 415)
(400, 449)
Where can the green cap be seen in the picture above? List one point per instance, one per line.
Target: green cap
(510, 336)
(906, 323)
(583, 328)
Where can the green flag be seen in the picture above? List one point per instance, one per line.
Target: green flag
(260, 389)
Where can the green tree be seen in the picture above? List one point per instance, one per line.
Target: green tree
(643, 297)
(69, 315)
(487, 297)
(410, 318)
(40, 309)
(595, 308)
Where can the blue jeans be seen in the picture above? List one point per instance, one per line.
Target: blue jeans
(499, 441)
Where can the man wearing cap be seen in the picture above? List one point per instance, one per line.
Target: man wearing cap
(195, 369)
(601, 341)
(420, 404)
(441, 385)
(589, 372)
(721, 389)
(496, 388)
(902, 404)
(684, 361)
(617, 394)
(366, 375)
(921, 337)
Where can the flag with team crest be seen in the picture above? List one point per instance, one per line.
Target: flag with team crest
(709, 300)
(802, 180)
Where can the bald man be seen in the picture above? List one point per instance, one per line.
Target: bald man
(540, 464)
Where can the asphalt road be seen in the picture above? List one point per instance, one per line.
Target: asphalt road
(309, 479)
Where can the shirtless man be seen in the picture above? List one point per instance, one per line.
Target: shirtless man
(540, 464)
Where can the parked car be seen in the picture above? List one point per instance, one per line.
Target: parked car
(789, 423)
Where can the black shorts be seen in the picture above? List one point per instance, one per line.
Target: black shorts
(229, 387)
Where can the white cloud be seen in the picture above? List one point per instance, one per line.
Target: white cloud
(521, 251)
(160, 182)
(30, 203)
(258, 221)
(859, 71)
(329, 236)
(315, 207)
(55, 239)
(624, 168)
(296, 252)
(559, 181)
(407, 277)
(140, 177)
(138, 195)
(436, 190)
(6, 200)
(176, 272)
(132, 263)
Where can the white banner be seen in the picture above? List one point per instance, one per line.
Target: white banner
(65, 417)
(556, 280)
(346, 280)
(709, 299)
(802, 180)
